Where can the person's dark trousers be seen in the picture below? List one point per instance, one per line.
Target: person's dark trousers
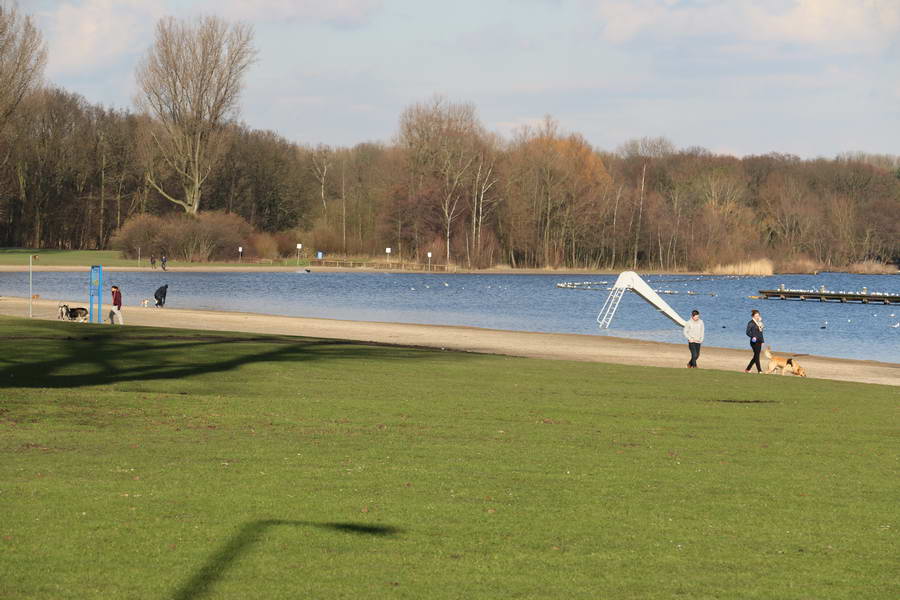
(757, 347)
(695, 353)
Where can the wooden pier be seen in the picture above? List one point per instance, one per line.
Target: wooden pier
(823, 295)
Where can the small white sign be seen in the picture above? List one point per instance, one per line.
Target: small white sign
(429, 255)
(240, 248)
(299, 246)
(388, 250)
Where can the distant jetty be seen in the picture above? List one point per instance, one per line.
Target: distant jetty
(863, 296)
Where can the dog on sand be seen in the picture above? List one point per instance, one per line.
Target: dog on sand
(786, 365)
(78, 313)
(145, 302)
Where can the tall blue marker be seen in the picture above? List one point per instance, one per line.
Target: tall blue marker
(96, 292)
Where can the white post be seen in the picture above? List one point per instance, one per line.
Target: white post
(139, 256)
(240, 253)
(388, 252)
(30, 287)
(299, 247)
(31, 257)
(429, 261)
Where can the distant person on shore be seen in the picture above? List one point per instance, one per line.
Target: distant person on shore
(163, 262)
(693, 331)
(152, 261)
(116, 312)
(755, 333)
(160, 295)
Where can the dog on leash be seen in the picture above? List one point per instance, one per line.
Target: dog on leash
(145, 302)
(78, 314)
(786, 365)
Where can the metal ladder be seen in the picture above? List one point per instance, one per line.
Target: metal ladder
(610, 306)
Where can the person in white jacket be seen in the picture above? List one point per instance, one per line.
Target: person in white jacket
(693, 331)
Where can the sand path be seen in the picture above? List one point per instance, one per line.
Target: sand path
(560, 346)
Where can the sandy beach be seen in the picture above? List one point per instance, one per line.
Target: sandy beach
(556, 346)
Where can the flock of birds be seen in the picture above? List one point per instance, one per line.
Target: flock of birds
(892, 315)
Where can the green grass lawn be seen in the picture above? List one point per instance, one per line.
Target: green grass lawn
(113, 258)
(157, 463)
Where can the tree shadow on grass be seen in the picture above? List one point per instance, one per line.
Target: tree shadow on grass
(202, 582)
(116, 355)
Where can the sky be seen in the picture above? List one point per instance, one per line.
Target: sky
(813, 78)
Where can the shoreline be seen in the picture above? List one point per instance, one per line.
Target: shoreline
(201, 268)
(554, 346)
(321, 269)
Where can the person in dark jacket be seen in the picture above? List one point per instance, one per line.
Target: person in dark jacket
(160, 295)
(755, 333)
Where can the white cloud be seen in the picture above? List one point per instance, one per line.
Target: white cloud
(87, 35)
(858, 25)
(335, 12)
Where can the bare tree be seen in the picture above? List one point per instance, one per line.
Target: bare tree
(190, 81)
(442, 141)
(321, 161)
(22, 58)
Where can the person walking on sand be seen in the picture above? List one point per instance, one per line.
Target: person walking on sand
(116, 311)
(152, 261)
(693, 331)
(755, 333)
(160, 295)
(163, 262)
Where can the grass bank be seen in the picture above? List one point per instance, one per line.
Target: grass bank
(113, 258)
(149, 463)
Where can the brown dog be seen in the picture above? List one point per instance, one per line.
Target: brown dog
(787, 365)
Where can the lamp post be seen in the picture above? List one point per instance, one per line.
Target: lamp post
(299, 247)
(31, 259)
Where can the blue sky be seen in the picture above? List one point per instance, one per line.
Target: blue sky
(807, 77)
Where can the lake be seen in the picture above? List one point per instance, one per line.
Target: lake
(524, 303)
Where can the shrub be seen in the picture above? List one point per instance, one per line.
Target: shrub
(799, 264)
(871, 267)
(208, 236)
(139, 232)
(762, 266)
(287, 242)
(221, 234)
(264, 245)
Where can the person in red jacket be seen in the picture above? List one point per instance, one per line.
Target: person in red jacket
(116, 311)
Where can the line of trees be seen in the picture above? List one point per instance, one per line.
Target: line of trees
(73, 173)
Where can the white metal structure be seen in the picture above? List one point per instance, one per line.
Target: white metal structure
(629, 280)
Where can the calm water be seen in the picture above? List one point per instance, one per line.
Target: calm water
(525, 303)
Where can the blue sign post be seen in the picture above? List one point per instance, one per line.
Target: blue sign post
(96, 292)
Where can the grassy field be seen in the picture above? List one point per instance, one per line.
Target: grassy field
(156, 463)
(112, 258)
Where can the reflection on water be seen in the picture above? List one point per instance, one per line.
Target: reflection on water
(525, 303)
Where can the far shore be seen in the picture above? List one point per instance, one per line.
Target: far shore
(556, 346)
(320, 269)
(200, 268)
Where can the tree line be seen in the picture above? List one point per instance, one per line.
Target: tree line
(73, 173)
